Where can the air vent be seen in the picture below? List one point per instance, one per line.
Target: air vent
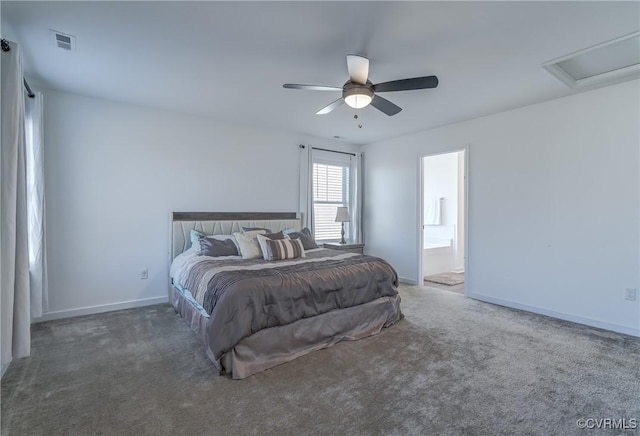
(64, 41)
(612, 61)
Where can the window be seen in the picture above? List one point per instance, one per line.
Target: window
(329, 180)
(331, 184)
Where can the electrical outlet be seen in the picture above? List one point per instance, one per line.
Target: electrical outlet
(144, 274)
(630, 294)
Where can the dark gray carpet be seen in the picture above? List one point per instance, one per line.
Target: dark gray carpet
(453, 366)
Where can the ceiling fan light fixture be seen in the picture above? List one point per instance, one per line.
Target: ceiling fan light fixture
(358, 96)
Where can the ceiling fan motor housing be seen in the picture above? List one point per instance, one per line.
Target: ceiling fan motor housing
(357, 96)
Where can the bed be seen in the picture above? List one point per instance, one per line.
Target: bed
(254, 314)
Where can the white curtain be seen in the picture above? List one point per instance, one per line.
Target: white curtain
(357, 166)
(35, 204)
(306, 185)
(15, 320)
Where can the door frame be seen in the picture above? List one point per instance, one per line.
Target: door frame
(420, 211)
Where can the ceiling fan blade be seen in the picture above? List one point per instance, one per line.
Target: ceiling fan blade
(407, 84)
(358, 67)
(311, 87)
(385, 106)
(330, 107)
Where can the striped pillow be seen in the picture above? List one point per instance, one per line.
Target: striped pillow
(283, 249)
(264, 249)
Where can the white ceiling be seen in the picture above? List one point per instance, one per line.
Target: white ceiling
(228, 60)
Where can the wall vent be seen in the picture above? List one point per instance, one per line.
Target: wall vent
(64, 41)
(613, 61)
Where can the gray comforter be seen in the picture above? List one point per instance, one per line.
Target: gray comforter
(244, 297)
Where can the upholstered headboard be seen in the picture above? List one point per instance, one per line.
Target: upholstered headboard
(225, 223)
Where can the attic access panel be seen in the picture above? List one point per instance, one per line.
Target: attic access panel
(614, 60)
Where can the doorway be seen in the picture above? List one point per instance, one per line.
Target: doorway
(443, 201)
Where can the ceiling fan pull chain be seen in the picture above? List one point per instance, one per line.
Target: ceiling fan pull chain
(355, 117)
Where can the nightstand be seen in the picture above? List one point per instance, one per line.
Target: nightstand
(352, 247)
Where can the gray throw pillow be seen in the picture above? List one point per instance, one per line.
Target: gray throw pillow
(216, 248)
(305, 237)
(278, 235)
(251, 229)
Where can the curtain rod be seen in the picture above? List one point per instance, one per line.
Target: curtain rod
(330, 151)
(6, 47)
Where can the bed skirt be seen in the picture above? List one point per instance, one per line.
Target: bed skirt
(276, 345)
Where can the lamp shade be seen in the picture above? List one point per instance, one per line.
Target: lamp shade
(342, 216)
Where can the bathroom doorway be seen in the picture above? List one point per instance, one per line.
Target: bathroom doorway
(443, 186)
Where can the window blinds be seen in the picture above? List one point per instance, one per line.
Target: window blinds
(331, 188)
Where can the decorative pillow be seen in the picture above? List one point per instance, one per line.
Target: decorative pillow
(284, 249)
(278, 235)
(271, 236)
(215, 248)
(195, 235)
(248, 243)
(305, 237)
(253, 229)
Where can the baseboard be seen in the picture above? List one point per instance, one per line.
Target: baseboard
(4, 369)
(49, 316)
(407, 281)
(560, 315)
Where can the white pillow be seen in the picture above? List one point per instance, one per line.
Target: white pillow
(248, 244)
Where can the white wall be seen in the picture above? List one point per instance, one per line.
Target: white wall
(553, 204)
(115, 172)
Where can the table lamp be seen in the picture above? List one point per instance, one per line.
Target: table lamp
(342, 216)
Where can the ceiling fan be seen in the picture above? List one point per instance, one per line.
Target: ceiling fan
(359, 92)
